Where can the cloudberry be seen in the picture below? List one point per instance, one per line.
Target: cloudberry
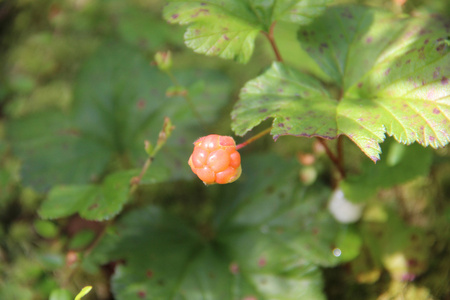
(215, 159)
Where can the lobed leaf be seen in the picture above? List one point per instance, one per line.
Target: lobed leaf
(119, 103)
(393, 75)
(267, 239)
(271, 206)
(198, 268)
(229, 29)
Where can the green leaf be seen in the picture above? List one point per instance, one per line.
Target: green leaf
(298, 103)
(60, 294)
(48, 144)
(119, 103)
(136, 25)
(173, 261)
(46, 229)
(392, 72)
(81, 239)
(110, 111)
(110, 106)
(109, 198)
(403, 164)
(348, 244)
(395, 243)
(209, 92)
(97, 202)
(228, 29)
(266, 240)
(84, 291)
(268, 204)
(63, 201)
(90, 201)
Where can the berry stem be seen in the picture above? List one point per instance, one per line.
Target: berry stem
(272, 42)
(254, 138)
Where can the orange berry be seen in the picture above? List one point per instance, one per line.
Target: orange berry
(215, 159)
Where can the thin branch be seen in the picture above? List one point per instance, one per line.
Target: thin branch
(134, 183)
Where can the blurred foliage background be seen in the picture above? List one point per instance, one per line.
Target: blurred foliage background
(56, 56)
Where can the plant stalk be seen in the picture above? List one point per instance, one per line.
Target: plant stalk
(335, 159)
(272, 42)
(340, 151)
(254, 138)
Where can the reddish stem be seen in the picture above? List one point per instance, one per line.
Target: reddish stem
(336, 161)
(271, 39)
(340, 151)
(254, 138)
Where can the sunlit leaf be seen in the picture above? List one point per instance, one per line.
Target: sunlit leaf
(395, 83)
(394, 74)
(298, 103)
(228, 28)
(84, 291)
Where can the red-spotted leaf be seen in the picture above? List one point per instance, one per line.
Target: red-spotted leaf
(173, 261)
(228, 28)
(393, 75)
(265, 241)
(298, 103)
(393, 72)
